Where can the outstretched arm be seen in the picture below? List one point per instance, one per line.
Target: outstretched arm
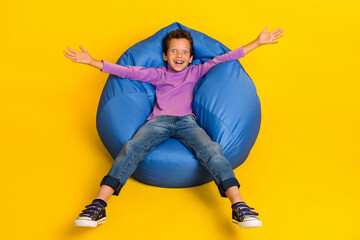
(263, 38)
(83, 57)
(143, 74)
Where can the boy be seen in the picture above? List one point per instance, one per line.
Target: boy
(172, 116)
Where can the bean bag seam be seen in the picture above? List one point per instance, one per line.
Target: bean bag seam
(210, 113)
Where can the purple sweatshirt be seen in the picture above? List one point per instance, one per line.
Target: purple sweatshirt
(174, 90)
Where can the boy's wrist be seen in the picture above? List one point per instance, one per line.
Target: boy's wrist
(257, 42)
(251, 46)
(91, 61)
(96, 63)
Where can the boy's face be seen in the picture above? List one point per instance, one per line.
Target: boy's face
(178, 55)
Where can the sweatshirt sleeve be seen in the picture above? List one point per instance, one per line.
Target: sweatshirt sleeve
(202, 69)
(142, 74)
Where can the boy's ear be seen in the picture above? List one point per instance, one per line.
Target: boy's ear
(164, 57)
(191, 58)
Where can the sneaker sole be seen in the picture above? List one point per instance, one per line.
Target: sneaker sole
(89, 223)
(248, 224)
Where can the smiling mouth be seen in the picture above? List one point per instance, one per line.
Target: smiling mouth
(178, 62)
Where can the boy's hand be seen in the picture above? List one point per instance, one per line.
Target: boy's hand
(79, 57)
(263, 38)
(266, 38)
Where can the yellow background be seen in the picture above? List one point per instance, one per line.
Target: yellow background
(301, 175)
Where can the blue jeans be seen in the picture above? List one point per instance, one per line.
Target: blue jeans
(155, 131)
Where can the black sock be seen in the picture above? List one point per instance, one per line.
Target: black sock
(100, 201)
(232, 206)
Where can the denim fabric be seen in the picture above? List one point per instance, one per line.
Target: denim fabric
(155, 131)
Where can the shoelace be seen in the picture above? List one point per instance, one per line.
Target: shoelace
(91, 211)
(244, 211)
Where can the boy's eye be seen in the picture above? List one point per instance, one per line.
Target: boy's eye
(185, 52)
(173, 50)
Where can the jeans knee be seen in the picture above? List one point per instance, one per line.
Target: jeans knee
(218, 147)
(128, 148)
(214, 152)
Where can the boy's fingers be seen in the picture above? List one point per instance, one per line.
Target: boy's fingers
(265, 29)
(276, 30)
(68, 56)
(73, 51)
(67, 53)
(83, 49)
(279, 32)
(280, 36)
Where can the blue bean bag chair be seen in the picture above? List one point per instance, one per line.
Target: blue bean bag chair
(225, 103)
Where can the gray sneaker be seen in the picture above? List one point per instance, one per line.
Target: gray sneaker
(93, 215)
(244, 217)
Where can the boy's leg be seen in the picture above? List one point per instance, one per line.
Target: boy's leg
(150, 135)
(209, 154)
(233, 195)
(105, 192)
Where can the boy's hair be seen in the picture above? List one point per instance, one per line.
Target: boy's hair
(179, 33)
